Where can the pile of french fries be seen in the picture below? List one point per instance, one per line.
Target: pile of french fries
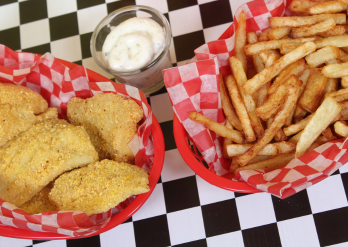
(294, 96)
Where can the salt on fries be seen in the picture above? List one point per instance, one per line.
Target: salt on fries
(295, 97)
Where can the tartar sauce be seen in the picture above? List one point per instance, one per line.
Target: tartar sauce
(133, 44)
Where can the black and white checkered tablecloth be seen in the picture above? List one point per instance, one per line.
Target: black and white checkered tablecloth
(183, 210)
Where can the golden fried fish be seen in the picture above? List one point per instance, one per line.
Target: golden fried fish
(37, 156)
(40, 202)
(98, 187)
(111, 122)
(13, 121)
(48, 114)
(21, 96)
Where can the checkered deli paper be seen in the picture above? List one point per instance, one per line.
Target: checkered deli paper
(58, 84)
(194, 87)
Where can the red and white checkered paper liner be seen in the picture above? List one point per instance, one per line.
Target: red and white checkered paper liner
(58, 84)
(195, 87)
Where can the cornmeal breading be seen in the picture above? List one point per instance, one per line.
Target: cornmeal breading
(98, 187)
(13, 121)
(21, 96)
(40, 202)
(40, 154)
(111, 122)
(48, 114)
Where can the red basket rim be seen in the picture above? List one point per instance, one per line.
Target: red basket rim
(181, 137)
(155, 173)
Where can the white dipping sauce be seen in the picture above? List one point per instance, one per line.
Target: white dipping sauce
(133, 44)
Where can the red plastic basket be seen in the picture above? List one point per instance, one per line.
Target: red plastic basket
(194, 160)
(119, 218)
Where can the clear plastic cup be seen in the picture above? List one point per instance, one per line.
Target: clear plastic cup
(149, 78)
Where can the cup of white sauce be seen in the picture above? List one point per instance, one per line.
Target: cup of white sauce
(132, 43)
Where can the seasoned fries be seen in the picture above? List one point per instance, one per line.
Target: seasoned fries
(322, 55)
(335, 70)
(328, 7)
(307, 31)
(321, 119)
(297, 86)
(279, 120)
(240, 108)
(314, 91)
(269, 73)
(219, 129)
(237, 68)
(297, 21)
(341, 129)
(241, 40)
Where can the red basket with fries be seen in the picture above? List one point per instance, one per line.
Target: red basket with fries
(58, 81)
(198, 91)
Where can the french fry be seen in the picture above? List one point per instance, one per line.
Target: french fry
(274, 101)
(296, 68)
(335, 70)
(344, 105)
(332, 85)
(307, 31)
(227, 107)
(256, 48)
(339, 96)
(344, 81)
(297, 127)
(343, 56)
(270, 149)
(238, 149)
(287, 47)
(295, 138)
(234, 165)
(240, 108)
(333, 61)
(344, 114)
(299, 113)
(278, 122)
(322, 55)
(240, 41)
(327, 133)
(341, 129)
(259, 158)
(321, 119)
(337, 30)
(259, 66)
(328, 8)
(219, 129)
(240, 77)
(264, 35)
(302, 6)
(226, 141)
(269, 73)
(278, 33)
(271, 164)
(338, 41)
(297, 21)
(279, 135)
(314, 91)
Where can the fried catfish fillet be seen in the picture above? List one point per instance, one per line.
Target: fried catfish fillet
(17, 119)
(21, 96)
(98, 187)
(14, 120)
(39, 155)
(111, 122)
(40, 202)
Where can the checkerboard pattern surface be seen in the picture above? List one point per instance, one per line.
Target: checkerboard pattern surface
(183, 210)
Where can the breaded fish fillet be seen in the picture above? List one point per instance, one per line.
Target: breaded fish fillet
(111, 122)
(17, 119)
(14, 120)
(21, 96)
(98, 187)
(39, 155)
(40, 202)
